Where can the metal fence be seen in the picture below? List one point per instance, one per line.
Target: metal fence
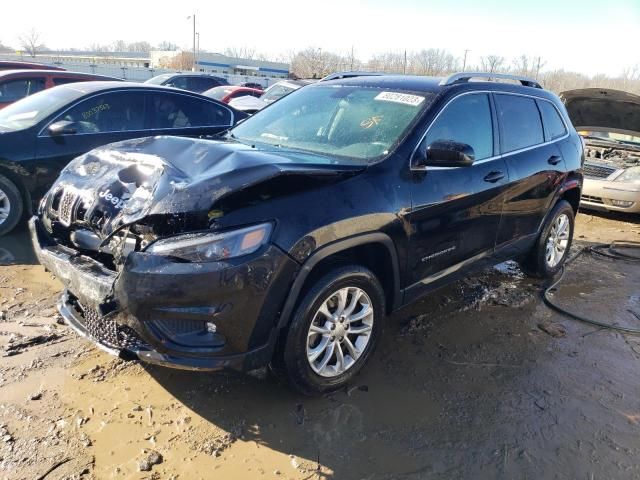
(140, 74)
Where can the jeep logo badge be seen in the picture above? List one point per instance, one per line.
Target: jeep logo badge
(109, 197)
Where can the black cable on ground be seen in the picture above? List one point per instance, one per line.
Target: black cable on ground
(615, 251)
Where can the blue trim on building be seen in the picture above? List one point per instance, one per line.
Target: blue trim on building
(213, 64)
(274, 70)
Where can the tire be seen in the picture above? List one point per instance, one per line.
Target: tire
(541, 261)
(355, 338)
(11, 206)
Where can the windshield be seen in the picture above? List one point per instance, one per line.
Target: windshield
(31, 110)
(276, 91)
(353, 124)
(218, 93)
(158, 79)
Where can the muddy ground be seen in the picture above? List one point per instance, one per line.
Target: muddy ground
(480, 380)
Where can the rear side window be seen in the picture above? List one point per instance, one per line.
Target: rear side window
(14, 90)
(183, 111)
(520, 121)
(467, 119)
(553, 124)
(108, 112)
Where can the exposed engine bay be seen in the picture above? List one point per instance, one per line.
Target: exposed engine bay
(619, 156)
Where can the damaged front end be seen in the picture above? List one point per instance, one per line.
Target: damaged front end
(132, 230)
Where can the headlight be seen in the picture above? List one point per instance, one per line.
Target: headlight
(630, 175)
(210, 247)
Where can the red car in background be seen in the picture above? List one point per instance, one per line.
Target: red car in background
(226, 93)
(8, 65)
(17, 84)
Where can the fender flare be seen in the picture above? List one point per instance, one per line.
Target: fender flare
(331, 249)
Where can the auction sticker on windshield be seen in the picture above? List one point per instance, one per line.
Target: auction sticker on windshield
(404, 98)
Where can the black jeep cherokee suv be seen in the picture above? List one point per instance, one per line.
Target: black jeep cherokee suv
(289, 241)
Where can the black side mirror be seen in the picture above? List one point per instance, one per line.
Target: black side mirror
(446, 153)
(62, 127)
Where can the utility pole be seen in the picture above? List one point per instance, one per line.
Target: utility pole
(351, 58)
(538, 68)
(197, 47)
(404, 65)
(464, 62)
(195, 60)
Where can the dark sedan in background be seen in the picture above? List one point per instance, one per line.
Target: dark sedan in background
(193, 82)
(40, 134)
(17, 84)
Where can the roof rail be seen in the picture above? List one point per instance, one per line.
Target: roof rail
(464, 77)
(341, 75)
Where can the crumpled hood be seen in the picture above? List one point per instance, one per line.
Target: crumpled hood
(123, 182)
(602, 109)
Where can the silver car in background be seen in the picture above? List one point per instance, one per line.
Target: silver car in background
(609, 122)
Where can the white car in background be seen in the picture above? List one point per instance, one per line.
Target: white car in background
(274, 92)
(609, 122)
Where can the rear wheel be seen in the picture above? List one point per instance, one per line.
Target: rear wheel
(11, 207)
(552, 247)
(334, 331)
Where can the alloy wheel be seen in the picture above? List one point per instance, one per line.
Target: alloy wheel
(5, 207)
(340, 331)
(558, 240)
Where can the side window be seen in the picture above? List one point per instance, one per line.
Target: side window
(178, 82)
(520, 121)
(183, 111)
(109, 112)
(200, 84)
(553, 124)
(466, 119)
(14, 90)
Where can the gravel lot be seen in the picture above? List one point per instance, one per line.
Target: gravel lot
(480, 380)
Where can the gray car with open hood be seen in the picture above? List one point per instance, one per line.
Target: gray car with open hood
(609, 122)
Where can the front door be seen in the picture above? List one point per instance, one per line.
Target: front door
(456, 210)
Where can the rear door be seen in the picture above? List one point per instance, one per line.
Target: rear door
(175, 113)
(534, 163)
(456, 210)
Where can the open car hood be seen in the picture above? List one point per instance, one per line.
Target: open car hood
(122, 183)
(603, 110)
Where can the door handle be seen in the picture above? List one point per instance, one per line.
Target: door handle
(493, 177)
(554, 160)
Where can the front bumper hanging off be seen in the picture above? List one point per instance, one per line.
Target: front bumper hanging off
(161, 311)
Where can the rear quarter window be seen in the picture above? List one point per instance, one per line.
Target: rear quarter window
(520, 122)
(553, 125)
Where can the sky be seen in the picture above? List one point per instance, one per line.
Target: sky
(587, 36)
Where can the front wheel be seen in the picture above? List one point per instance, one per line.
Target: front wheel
(334, 331)
(10, 205)
(552, 247)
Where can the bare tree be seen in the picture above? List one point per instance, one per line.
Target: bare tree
(167, 46)
(119, 46)
(240, 52)
(493, 63)
(30, 42)
(144, 47)
(314, 63)
(179, 61)
(432, 62)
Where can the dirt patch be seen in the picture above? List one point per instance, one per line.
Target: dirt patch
(479, 380)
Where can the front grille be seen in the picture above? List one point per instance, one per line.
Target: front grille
(597, 171)
(65, 209)
(592, 199)
(108, 332)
